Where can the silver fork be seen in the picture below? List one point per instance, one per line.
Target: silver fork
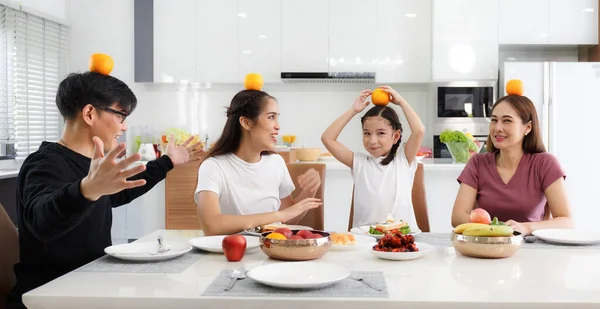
(161, 248)
(359, 278)
(235, 276)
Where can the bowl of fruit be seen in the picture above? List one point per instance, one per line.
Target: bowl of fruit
(490, 239)
(295, 245)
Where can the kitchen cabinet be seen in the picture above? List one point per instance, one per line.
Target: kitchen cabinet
(305, 44)
(465, 40)
(552, 22)
(173, 45)
(403, 41)
(260, 39)
(216, 41)
(526, 25)
(353, 36)
(573, 22)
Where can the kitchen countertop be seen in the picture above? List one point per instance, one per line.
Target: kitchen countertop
(549, 278)
(429, 164)
(8, 173)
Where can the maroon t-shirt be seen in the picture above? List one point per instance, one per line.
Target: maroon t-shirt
(521, 199)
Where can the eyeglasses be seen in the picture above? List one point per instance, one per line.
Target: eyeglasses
(122, 115)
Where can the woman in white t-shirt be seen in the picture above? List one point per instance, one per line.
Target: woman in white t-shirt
(383, 178)
(242, 184)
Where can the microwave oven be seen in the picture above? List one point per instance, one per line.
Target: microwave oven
(464, 102)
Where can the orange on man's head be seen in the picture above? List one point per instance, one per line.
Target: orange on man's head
(514, 87)
(101, 63)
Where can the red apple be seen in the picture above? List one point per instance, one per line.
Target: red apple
(234, 247)
(314, 236)
(304, 233)
(295, 237)
(479, 215)
(285, 231)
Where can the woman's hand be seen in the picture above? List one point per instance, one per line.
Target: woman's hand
(522, 228)
(310, 181)
(298, 209)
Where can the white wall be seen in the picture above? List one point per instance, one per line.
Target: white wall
(306, 110)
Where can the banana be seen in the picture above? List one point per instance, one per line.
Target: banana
(490, 231)
(461, 228)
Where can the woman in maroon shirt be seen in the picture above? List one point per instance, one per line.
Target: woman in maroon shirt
(516, 180)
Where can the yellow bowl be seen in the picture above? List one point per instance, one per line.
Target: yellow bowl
(487, 247)
(295, 249)
(308, 154)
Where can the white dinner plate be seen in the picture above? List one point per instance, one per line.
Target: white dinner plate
(214, 243)
(404, 256)
(291, 227)
(362, 241)
(147, 251)
(364, 230)
(298, 275)
(568, 236)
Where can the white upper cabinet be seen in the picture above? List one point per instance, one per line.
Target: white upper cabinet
(352, 35)
(260, 39)
(523, 22)
(304, 39)
(216, 40)
(465, 40)
(573, 22)
(174, 43)
(403, 41)
(553, 22)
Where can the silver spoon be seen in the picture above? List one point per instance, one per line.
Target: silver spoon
(235, 276)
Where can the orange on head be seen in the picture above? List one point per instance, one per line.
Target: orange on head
(380, 97)
(514, 87)
(253, 81)
(101, 63)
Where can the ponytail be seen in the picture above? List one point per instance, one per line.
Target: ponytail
(392, 154)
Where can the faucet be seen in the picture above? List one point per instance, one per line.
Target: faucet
(206, 142)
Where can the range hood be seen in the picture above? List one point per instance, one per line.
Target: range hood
(328, 77)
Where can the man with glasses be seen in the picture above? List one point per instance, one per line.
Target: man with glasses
(66, 189)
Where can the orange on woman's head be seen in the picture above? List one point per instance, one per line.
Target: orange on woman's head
(101, 63)
(514, 87)
(253, 81)
(380, 97)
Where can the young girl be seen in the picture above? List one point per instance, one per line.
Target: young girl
(241, 183)
(382, 179)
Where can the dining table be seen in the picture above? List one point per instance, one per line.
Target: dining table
(539, 275)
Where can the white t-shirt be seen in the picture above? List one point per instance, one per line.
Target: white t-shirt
(245, 188)
(380, 190)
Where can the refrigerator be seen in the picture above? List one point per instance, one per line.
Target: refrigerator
(567, 99)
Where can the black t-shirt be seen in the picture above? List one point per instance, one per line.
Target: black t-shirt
(59, 229)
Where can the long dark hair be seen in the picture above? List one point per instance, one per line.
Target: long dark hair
(390, 115)
(533, 141)
(246, 103)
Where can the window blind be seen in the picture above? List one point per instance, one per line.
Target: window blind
(36, 60)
